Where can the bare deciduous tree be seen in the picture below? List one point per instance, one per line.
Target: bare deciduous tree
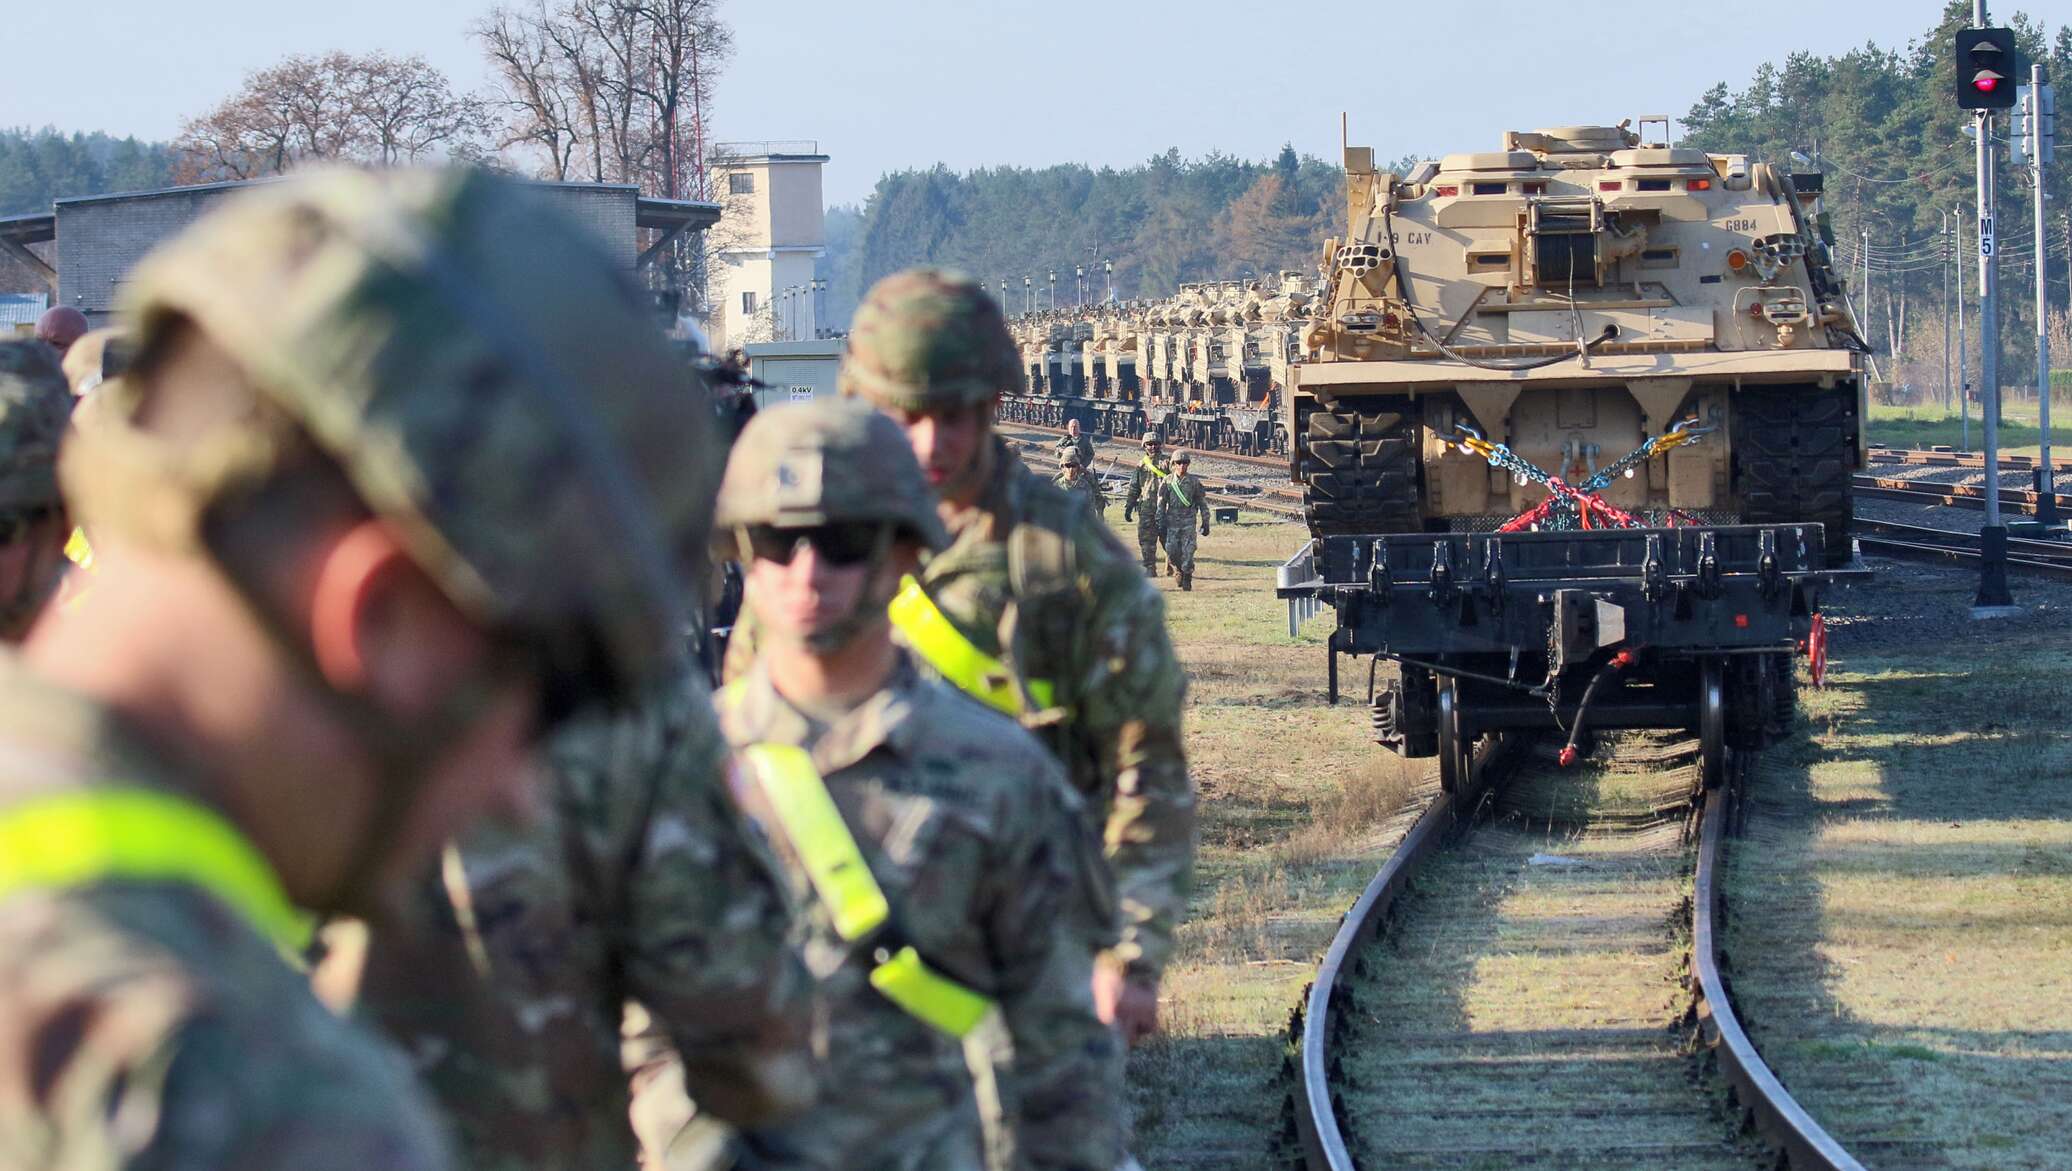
(374, 108)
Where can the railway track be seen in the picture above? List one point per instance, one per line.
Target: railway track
(1921, 543)
(1411, 1052)
(1277, 500)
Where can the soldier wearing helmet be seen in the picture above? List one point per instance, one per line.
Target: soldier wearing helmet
(1035, 608)
(1183, 502)
(34, 409)
(947, 873)
(60, 326)
(380, 500)
(1073, 477)
(1143, 500)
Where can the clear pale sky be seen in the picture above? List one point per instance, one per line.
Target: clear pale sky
(885, 86)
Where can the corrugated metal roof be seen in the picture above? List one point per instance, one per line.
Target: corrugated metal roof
(21, 308)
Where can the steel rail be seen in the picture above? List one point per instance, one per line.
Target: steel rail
(1255, 497)
(1790, 1129)
(1278, 462)
(1805, 1145)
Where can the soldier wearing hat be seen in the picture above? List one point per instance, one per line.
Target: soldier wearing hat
(1183, 503)
(946, 869)
(1073, 477)
(1035, 609)
(381, 500)
(1144, 500)
(34, 409)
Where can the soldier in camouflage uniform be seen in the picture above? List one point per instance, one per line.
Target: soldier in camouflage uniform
(1073, 477)
(638, 883)
(360, 533)
(1144, 500)
(1072, 441)
(34, 409)
(982, 876)
(1037, 610)
(1184, 504)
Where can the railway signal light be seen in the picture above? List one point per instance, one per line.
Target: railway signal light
(1985, 68)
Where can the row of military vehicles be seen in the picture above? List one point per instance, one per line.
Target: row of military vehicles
(1575, 420)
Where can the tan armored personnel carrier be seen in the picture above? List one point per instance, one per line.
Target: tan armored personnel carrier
(1573, 295)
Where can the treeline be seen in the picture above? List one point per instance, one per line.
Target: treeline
(37, 166)
(1168, 221)
(1882, 124)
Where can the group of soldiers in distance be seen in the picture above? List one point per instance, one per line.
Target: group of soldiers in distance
(359, 804)
(1166, 500)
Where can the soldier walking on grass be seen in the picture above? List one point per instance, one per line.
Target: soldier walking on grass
(1143, 501)
(361, 533)
(947, 871)
(1073, 477)
(1185, 504)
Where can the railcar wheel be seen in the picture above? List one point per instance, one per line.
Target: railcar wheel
(1456, 750)
(1712, 723)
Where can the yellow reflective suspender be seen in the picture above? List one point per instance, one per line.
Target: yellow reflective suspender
(1154, 468)
(1179, 492)
(86, 836)
(931, 635)
(799, 800)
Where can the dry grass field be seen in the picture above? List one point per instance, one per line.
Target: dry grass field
(1297, 809)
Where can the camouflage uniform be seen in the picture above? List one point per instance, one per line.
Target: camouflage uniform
(34, 410)
(1144, 500)
(966, 826)
(1084, 484)
(1083, 445)
(639, 883)
(1032, 580)
(147, 1018)
(1184, 505)
(974, 836)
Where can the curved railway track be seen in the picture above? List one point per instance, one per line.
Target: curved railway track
(1452, 1097)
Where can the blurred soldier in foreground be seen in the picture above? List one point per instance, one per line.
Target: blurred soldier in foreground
(1142, 503)
(1072, 441)
(1185, 503)
(1035, 609)
(34, 409)
(95, 358)
(361, 533)
(948, 869)
(1073, 477)
(508, 980)
(60, 326)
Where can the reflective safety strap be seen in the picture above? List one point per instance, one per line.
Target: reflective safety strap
(74, 839)
(820, 837)
(1180, 493)
(927, 995)
(1154, 468)
(798, 798)
(931, 635)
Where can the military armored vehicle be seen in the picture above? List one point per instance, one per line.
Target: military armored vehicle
(1576, 423)
(1571, 296)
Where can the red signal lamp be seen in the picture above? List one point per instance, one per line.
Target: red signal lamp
(1986, 83)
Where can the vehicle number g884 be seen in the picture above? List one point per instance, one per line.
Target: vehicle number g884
(1738, 225)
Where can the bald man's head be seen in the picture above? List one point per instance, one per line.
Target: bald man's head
(60, 326)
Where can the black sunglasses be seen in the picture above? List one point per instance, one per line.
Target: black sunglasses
(839, 545)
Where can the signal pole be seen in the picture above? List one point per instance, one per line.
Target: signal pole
(1963, 352)
(1993, 600)
(1946, 305)
(2039, 145)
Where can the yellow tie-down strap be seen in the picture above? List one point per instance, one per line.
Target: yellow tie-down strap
(1153, 468)
(78, 838)
(931, 635)
(798, 798)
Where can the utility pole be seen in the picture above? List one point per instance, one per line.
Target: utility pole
(2041, 108)
(1993, 599)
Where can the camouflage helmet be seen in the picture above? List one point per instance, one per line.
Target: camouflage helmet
(507, 407)
(1182, 456)
(929, 338)
(1072, 460)
(1151, 439)
(34, 407)
(826, 461)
